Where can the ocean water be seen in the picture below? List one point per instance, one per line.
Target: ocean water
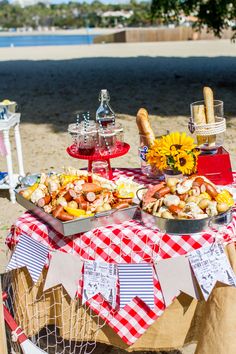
(45, 40)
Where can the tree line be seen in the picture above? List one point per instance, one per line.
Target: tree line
(73, 15)
(217, 15)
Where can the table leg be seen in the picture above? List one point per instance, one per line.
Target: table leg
(110, 169)
(90, 180)
(19, 150)
(9, 165)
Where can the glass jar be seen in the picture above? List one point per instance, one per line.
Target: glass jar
(170, 173)
(106, 141)
(86, 141)
(73, 130)
(119, 130)
(100, 168)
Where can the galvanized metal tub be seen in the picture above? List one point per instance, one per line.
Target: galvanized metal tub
(185, 226)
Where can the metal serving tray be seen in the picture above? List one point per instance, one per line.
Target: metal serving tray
(67, 228)
(185, 226)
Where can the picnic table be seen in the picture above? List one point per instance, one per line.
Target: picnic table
(136, 326)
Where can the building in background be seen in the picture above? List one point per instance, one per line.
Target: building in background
(24, 3)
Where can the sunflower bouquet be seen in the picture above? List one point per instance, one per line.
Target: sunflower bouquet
(176, 152)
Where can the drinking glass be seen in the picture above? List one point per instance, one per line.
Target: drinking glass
(119, 130)
(208, 143)
(86, 141)
(100, 168)
(74, 130)
(217, 105)
(106, 141)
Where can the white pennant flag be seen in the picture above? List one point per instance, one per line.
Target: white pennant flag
(64, 269)
(210, 265)
(100, 277)
(136, 279)
(175, 275)
(31, 254)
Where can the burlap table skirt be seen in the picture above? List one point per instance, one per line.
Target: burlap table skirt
(211, 324)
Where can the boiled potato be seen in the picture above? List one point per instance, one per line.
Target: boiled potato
(182, 204)
(171, 182)
(73, 204)
(100, 209)
(203, 204)
(106, 206)
(167, 215)
(193, 199)
(222, 207)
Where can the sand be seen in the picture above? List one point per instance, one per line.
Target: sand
(53, 84)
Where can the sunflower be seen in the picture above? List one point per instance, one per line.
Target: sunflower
(161, 162)
(185, 162)
(176, 151)
(154, 158)
(176, 142)
(156, 145)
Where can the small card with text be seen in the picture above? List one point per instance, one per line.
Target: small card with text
(210, 264)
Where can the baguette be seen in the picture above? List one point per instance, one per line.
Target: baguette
(199, 117)
(210, 116)
(144, 127)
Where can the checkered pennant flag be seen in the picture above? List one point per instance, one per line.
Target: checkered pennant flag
(31, 254)
(136, 280)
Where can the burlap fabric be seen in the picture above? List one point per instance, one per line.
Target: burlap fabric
(211, 324)
(217, 334)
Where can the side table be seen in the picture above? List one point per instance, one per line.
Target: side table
(5, 125)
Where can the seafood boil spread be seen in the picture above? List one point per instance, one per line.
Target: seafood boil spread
(76, 194)
(189, 198)
(70, 195)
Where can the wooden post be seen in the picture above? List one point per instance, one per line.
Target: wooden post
(3, 341)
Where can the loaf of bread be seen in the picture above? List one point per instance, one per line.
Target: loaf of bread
(199, 117)
(209, 107)
(144, 127)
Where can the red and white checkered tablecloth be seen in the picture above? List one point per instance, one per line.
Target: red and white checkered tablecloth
(130, 242)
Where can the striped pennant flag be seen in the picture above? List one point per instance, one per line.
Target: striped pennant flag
(31, 254)
(136, 280)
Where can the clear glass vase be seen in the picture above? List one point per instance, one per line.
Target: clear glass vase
(147, 169)
(170, 173)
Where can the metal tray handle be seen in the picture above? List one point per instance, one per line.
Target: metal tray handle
(138, 193)
(226, 218)
(105, 213)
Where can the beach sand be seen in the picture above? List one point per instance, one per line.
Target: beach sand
(52, 84)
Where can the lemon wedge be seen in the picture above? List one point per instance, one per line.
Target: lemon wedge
(75, 212)
(126, 195)
(78, 213)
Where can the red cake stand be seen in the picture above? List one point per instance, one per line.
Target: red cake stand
(122, 150)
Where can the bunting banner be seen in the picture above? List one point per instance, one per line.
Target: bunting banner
(210, 264)
(31, 254)
(64, 269)
(100, 277)
(175, 276)
(136, 280)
